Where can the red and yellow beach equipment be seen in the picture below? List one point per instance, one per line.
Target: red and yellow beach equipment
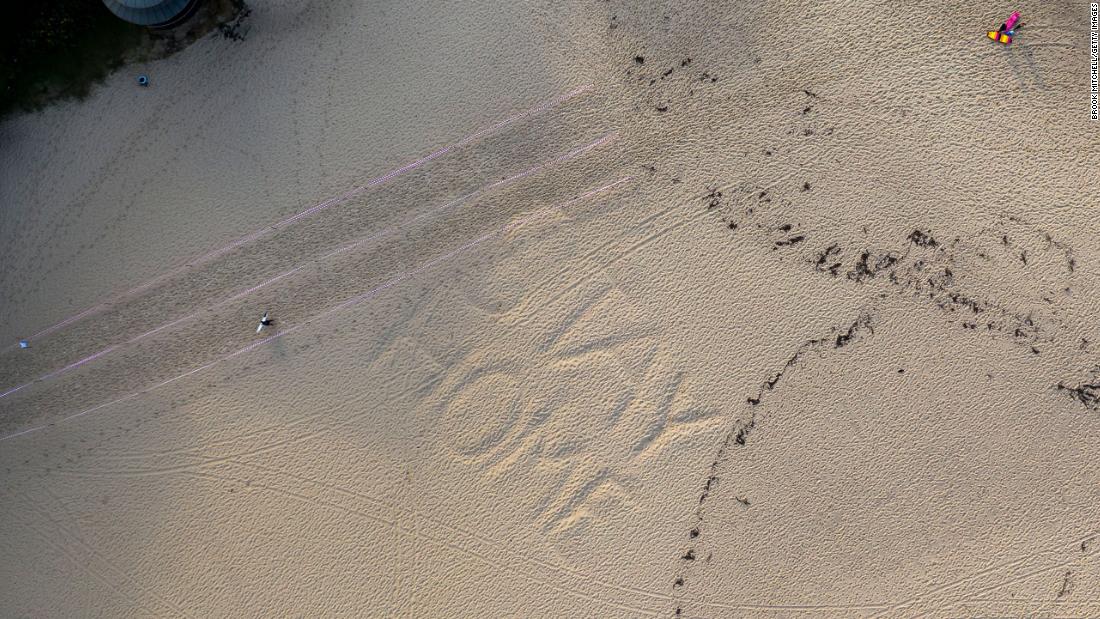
(1007, 29)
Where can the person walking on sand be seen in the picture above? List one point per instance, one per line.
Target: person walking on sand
(264, 322)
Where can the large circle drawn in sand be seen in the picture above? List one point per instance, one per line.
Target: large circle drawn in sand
(482, 413)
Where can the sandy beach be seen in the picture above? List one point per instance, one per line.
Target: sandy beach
(594, 309)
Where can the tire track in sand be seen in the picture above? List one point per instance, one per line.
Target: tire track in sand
(1016, 572)
(411, 531)
(354, 300)
(112, 569)
(105, 303)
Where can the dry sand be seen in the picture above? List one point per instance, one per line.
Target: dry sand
(824, 352)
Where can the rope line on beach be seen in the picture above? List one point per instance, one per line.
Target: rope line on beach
(577, 152)
(542, 107)
(342, 305)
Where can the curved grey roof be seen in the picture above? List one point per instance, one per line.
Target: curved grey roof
(150, 12)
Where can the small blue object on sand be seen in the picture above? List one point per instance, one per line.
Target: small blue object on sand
(24, 344)
(143, 80)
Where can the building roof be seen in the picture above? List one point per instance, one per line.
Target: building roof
(150, 12)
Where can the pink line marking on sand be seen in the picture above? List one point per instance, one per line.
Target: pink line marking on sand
(57, 372)
(310, 211)
(347, 303)
(577, 152)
